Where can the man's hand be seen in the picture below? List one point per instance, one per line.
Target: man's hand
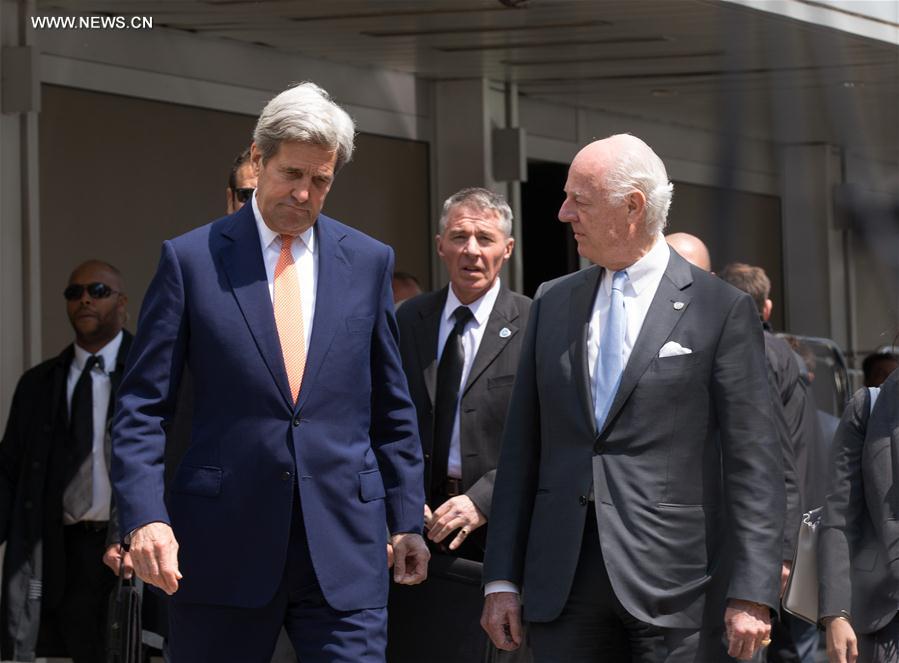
(785, 575)
(501, 619)
(842, 645)
(457, 512)
(410, 558)
(113, 557)
(748, 627)
(154, 554)
(389, 556)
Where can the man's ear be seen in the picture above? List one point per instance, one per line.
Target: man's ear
(766, 310)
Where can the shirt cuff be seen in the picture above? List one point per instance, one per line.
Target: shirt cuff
(500, 586)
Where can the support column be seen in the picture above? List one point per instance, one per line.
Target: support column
(466, 112)
(20, 329)
(816, 266)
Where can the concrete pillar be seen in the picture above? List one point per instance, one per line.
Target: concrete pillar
(465, 114)
(817, 270)
(20, 328)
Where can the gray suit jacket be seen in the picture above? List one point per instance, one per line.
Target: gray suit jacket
(485, 398)
(688, 461)
(858, 548)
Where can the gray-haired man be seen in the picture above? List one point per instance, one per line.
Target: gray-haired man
(304, 449)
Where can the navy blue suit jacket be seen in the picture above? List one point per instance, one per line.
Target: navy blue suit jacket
(349, 443)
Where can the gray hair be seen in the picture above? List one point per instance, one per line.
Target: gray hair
(638, 168)
(483, 200)
(307, 114)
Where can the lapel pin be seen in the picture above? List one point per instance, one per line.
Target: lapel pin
(505, 332)
(678, 306)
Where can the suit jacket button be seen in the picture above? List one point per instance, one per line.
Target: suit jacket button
(285, 476)
(427, 456)
(583, 500)
(296, 422)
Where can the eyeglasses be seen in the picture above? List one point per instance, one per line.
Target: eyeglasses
(244, 194)
(96, 291)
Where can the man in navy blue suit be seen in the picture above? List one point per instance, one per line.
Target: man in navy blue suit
(304, 461)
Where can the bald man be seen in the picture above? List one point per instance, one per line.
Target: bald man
(691, 248)
(54, 484)
(639, 410)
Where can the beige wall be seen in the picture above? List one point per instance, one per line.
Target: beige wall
(118, 175)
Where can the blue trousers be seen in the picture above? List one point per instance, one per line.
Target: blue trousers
(200, 633)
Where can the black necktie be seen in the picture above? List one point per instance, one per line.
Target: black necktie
(78, 493)
(449, 377)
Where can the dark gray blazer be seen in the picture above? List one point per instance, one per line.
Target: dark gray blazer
(858, 548)
(685, 436)
(485, 398)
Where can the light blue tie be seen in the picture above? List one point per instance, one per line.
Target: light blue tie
(609, 360)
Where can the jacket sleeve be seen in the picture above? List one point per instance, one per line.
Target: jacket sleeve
(844, 509)
(146, 398)
(753, 473)
(12, 449)
(394, 428)
(517, 471)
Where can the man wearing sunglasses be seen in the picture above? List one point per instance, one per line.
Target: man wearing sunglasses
(54, 485)
(241, 182)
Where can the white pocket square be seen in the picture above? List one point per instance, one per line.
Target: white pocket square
(672, 349)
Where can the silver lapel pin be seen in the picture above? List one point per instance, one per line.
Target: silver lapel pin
(505, 332)
(678, 306)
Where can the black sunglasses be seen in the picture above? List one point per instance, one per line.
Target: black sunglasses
(95, 290)
(244, 194)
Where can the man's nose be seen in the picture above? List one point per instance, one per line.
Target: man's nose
(471, 246)
(566, 213)
(300, 192)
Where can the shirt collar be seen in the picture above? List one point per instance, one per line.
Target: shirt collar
(109, 352)
(480, 308)
(267, 236)
(646, 270)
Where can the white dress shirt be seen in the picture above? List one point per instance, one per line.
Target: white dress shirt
(643, 278)
(102, 389)
(305, 257)
(471, 341)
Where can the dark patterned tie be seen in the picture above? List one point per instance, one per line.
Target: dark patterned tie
(449, 377)
(79, 490)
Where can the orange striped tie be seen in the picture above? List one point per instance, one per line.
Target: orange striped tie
(289, 316)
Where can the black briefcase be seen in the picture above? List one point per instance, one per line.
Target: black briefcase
(124, 634)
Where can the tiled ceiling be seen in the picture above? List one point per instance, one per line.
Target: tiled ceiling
(701, 63)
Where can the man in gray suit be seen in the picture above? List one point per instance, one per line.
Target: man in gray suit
(639, 497)
(461, 434)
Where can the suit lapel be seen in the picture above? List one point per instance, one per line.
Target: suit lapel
(502, 316)
(661, 318)
(243, 265)
(580, 307)
(427, 332)
(334, 272)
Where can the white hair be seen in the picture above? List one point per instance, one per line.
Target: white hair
(307, 114)
(482, 200)
(637, 167)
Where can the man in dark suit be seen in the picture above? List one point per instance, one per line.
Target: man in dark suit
(461, 412)
(639, 498)
(304, 450)
(55, 495)
(858, 537)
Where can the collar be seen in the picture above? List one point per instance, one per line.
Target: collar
(268, 236)
(647, 270)
(109, 352)
(480, 308)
